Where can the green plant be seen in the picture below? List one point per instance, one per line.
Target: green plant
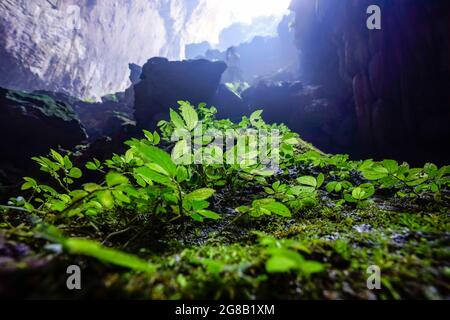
(158, 184)
(360, 195)
(284, 256)
(96, 250)
(267, 207)
(338, 186)
(59, 168)
(237, 87)
(413, 182)
(299, 195)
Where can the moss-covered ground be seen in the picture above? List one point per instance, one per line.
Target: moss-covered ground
(407, 238)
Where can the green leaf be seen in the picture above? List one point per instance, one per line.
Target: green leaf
(96, 250)
(67, 163)
(391, 166)
(190, 116)
(157, 168)
(158, 156)
(255, 116)
(106, 199)
(30, 183)
(153, 176)
(91, 166)
(443, 172)
(262, 172)
(212, 266)
(78, 194)
(308, 181)
(278, 209)
(75, 173)
(243, 209)
(276, 185)
(120, 196)
(197, 217)
(156, 138)
(283, 260)
(309, 267)
(180, 151)
(209, 214)
(114, 179)
(182, 174)
(148, 135)
(201, 194)
(91, 187)
(320, 180)
(376, 172)
(200, 205)
(177, 120)
(57, 157)
(291, 141)
(349, 198)
(331, 186)
(358, 194)
(280, 264)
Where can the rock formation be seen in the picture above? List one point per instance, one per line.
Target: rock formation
(32, 124)
(165, 82)
(397, 78)
(261, 56)
(83, 47)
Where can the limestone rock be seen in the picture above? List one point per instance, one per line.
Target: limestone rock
(164, 83)
(31, 124)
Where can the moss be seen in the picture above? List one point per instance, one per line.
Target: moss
(411, 249)
(43, 103)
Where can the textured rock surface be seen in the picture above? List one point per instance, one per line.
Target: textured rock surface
(165, 82)
(261, 57)
(229, 105)
(397, 77)
(83, 47)
(100, 119)
(31, 124)
(305, 110)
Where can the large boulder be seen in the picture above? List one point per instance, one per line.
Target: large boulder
(31, 124)
(165, 82)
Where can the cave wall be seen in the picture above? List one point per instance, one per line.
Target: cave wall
(83, 47)
(396, 79)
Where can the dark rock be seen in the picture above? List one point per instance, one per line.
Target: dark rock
(399, 75)
(31, 124)
(304, 110)
(135, 73)
(229, 104)
(103, 118)
(165, 82)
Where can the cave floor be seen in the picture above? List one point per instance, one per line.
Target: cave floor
(222, 260)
